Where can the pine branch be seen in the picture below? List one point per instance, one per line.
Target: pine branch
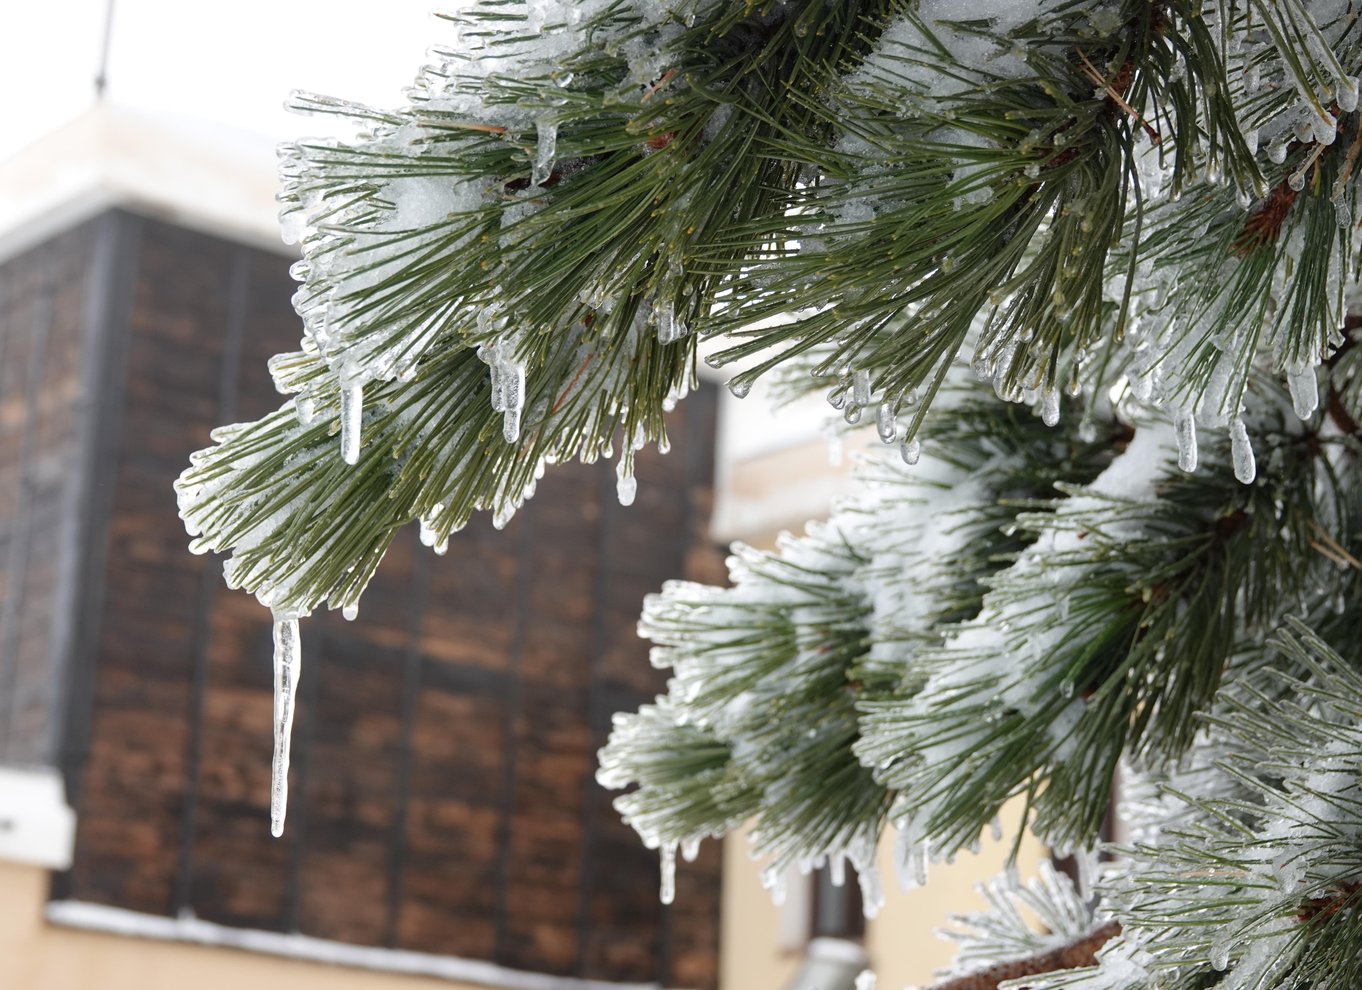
(1079, 954)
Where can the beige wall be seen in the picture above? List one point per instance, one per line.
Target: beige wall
(903, 948)
(35, 955)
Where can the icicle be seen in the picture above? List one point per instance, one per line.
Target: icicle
(910, 451)
(837, 870)
(352, 418)
(1347, 93)
(914, 872)
(1219, 956)
(852, 413)
(547, 131)
(287, 667)
(494, 368)
(773, 879)
(740, 387)
(512, 386)
(667, 893)
(865, 980)
(690, 849)
(1304, 390)
(886, 423)
(872, 889)
(1085, 865)
(626, 485)
(1049, 410)
(1184, 427)
(669, 328)
(860, 387)
(351, 612)
(1241, 451)
(837, 397)
(510, 425)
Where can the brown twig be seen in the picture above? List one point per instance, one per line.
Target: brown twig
(572, 384)
(1115, 90)
(653, 90)
(1331, 548)
(1265, 223)
(1341, 897)
(1075, 955)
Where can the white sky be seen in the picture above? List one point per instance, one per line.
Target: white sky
(228, 64)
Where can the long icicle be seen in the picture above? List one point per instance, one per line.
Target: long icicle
(287, 668)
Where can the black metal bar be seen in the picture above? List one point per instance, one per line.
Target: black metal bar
(238, 296)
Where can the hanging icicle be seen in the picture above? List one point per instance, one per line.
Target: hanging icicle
(352, 419)
(287, 667)
(547, 149)
(667, 890)
(1241, 452)
(1184, 427)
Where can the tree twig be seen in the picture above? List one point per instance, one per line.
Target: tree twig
(1075, 955)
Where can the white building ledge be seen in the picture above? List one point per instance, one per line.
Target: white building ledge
(209, 178)
(36, 825)
(132, 924)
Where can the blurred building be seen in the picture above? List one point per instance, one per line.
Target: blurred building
(444, 818)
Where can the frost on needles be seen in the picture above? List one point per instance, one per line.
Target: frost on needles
(1090, 267)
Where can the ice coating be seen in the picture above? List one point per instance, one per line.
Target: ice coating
(1241, 453)
(1184, 427)
(287, 668)
(351, 421)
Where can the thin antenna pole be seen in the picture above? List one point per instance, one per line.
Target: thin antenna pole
(102, 75)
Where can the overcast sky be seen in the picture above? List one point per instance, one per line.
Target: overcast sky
(231, 66)
(228, 64)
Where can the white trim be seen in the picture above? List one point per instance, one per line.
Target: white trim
(133, 924)
(207, 179)
(36, 825)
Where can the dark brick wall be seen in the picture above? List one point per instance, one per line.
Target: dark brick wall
(42, 323)
(443, 797)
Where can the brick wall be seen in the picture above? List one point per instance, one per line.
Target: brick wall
(443, 797)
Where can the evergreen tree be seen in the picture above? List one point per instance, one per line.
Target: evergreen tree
(1087, 264)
